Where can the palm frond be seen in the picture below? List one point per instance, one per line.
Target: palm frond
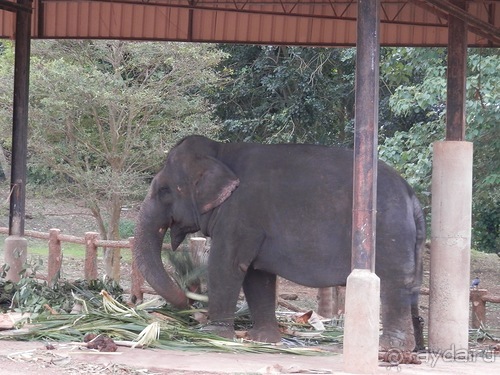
(160, 328)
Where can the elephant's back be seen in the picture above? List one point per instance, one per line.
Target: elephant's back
(301, 197)
(309, 169)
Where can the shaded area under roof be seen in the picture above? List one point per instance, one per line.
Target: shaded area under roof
(291, 22)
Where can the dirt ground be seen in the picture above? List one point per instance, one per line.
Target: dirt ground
(71, 218)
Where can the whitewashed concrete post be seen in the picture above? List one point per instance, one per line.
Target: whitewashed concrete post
(450, 246)
(362, 322)
(15, 254)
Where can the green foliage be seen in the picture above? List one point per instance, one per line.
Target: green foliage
(286, 94)
(127, 228)
(40, 174)
(103, 114)
(411, 154)
(420, 101)
(6, 95)
(486, 210)
(33, 296)
(185, 272)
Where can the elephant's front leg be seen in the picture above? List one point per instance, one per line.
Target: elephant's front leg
(224, 285)
(260, 292)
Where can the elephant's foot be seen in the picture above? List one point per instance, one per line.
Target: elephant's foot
(222, 329)
(397, 340)
(268, 333)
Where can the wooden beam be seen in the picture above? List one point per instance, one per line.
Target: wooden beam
(14, 7)
(475, 25)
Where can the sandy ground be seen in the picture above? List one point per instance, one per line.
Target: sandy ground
(33, 358)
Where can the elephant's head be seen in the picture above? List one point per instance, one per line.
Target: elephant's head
(191, 183)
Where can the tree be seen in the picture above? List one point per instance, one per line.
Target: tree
(286, 94)
(296, 94)
(420, 100)
(103, 114)
(6, 94)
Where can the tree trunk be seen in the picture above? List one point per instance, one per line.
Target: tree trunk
(4, 164)
(112, 256)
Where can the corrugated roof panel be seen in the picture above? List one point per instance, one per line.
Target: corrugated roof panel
(278, 30)
(84, 15)
(7, 24)
(267, 26)
(243, 24)
(107, 20)
(315, 22)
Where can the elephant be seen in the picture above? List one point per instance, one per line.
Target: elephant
(278, 210)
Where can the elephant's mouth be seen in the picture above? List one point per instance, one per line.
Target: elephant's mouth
(178, 233)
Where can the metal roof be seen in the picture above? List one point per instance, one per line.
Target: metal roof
(291, 22)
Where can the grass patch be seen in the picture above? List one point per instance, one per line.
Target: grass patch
(40, 248)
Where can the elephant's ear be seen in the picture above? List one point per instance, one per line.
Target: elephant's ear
(214, 185)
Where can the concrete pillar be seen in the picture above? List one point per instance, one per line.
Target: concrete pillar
(450, 246)
(362, 322)
(15, 254)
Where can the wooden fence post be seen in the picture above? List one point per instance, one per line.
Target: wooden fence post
(197, 250)
(136, 293)
(331, 301)
(90, 268)
(55, 257)
(478, 307)
(199, 257)
(325, 302)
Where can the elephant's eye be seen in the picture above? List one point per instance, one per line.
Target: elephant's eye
(164, 190)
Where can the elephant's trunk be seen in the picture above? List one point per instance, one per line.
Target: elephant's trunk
(147, 255)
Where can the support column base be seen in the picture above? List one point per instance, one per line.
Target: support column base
(15, 255)
(362, 322)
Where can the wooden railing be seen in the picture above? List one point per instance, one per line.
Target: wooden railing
(478, 299)
(91, 241)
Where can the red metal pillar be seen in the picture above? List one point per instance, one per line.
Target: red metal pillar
(456, 76)
(16, 246)
(362, 307)
(20, 120)
(365, 136)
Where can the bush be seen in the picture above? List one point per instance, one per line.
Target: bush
(486, 223)
(126, 228)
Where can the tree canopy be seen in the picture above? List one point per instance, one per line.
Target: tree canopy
(286, 94)
(103, 114)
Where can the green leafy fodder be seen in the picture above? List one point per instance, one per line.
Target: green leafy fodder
(143, 325)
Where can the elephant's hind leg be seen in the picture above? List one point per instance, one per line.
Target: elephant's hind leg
(397, 321)
(260, 292)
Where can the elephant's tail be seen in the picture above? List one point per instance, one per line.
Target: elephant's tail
(418, 216)
(418, 321)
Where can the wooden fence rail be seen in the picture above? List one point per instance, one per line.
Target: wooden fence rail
(92, 242)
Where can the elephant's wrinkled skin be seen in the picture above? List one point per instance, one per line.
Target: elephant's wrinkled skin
(278, 210)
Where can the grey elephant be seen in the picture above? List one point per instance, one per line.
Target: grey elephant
(278, 210)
